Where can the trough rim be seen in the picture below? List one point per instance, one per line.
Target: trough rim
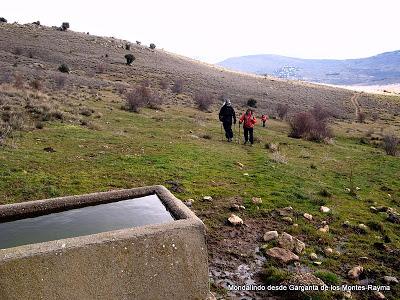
(184, 218)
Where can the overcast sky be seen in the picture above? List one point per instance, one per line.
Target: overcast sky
(212, 30)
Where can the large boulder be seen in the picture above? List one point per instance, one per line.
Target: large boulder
(270, 235)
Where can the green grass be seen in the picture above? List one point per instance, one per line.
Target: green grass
(131, 150)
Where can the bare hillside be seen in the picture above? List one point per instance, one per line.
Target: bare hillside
(97, 62)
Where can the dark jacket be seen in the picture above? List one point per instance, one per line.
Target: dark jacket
(226, 114)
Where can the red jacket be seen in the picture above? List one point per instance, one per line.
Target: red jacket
(248, 120)
(264, 117)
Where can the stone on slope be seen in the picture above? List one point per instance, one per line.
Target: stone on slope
(355, 272)
(256, 200)
(270, 235)
(291, 243)
(324, 209)
(281, 254)
(235, 220)
(390, 279)
(324, 229)
(307, 216)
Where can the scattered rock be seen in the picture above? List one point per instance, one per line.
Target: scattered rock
(363, 227)
(281, 254)
(207, 198)
(346, 224)
(317, 263)
(355, 272)
(291, 243)
(245, 174)
(288, 220)
(240, 165)
(286, 211)
(188, 203)
(313, 256)
(328, 251)
(49, 149)
(295, 225)
(211, 296)
(256, 200)
(324, 229)
(324, 209)
(237, 207)
(378, 295)
(390, 279)
(373, 209)
(307, 216)
(235, 220)
(347, 295)
(270, 235)
(305, 279)
(394, 218)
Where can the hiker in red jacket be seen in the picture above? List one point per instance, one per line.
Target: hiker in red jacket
(248, 121)
(264, 119)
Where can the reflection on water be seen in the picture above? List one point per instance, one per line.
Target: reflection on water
(84, 221)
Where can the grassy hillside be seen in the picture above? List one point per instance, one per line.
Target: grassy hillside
(75, 138)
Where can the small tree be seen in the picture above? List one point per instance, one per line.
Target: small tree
(36, 84)
(64, 26)
(138, 42)
(203, 100)
(63, 68)
(152, 46)
(252, 102)
(390, 144)
(3, 20)
(127, 46)
(282, 110)
(36, 23)
(129, 59)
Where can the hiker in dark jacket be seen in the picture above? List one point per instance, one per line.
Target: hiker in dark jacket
(226, 116)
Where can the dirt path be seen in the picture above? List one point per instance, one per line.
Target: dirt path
(354, 101)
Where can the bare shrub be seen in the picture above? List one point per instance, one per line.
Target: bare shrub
(101, 68)
(64, 26)
(282, 110)
(164, 84)
(152, 46)
(36, 84)
(3, 20)
(320, 113)
(129, 59)
(5, 131)
(60, 81)
(86, 112)
(374, 116)
(18, 81)
(177, 88)
(273, 147)
(6, 78)
(311, 125)
(17, 51)
(63, 68)
(203, 100)
(390, 144)
(140, 97)
(127, 46)
(361, 116)
(252, 102)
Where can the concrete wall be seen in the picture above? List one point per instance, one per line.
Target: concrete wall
(165, 261)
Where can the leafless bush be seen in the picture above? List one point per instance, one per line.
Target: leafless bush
(164, 84)
(60, 81)
(17, 51)
(36, 84)
(374, 116)
(101, 68)
(320, 113)
(390, 144)
(18, 81)
(203, 100)
(178, 86)
(282, 110)
(309, 125)
(5, 131)
(361, 116)
(140, 97)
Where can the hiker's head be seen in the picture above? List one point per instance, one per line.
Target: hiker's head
(228, 102)
(249, 111)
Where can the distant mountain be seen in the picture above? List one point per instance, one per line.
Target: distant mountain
(376, 70)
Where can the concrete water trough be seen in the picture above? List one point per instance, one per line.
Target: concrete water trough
(140, 243)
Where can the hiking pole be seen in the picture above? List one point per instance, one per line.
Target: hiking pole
(239, 134)
(222, 139)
